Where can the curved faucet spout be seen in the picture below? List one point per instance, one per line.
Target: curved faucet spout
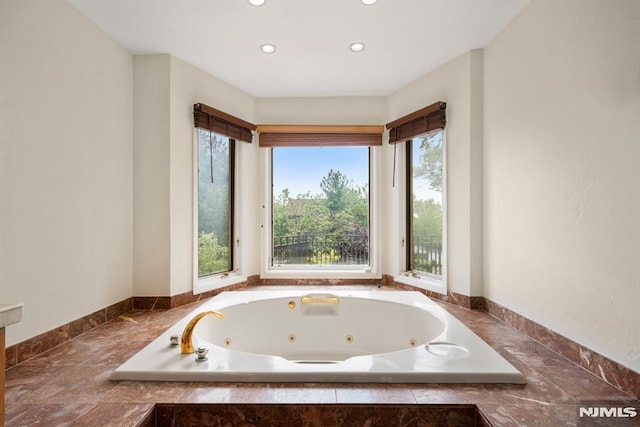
(186, 342)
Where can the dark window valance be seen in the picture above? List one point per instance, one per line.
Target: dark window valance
(419, 122)
(319, 135)
(217, 121)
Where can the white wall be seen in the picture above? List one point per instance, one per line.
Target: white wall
(166, 89)
(353, 110)
(152, 249)
(458, 84)
(67, 163)
(562, 171)
(190, 85)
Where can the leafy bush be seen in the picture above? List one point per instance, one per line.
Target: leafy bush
(212, 258)
(324, 257)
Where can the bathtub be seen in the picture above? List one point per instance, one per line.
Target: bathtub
(342, 336)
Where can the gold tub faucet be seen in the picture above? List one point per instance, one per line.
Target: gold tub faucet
(186, 342)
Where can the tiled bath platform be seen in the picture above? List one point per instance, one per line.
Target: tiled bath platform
(316, 415)
(68, 385)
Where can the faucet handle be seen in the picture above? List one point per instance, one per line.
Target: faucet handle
(202, 354)
(173, 340)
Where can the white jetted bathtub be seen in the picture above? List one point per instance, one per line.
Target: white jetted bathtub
(344, 336)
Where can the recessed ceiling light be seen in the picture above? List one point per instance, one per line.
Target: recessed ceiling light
(356, 47)
(368, 2)
(268, 48)
(261, 2)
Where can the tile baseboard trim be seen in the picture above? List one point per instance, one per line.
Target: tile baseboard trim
(34, 346)
(466, 301)
(165, 303)
(604, 368)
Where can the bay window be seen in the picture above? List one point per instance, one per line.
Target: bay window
(216, 238)
(215, 203)
(320, 201)
(425, 204)
(422, 261)
(320, 206)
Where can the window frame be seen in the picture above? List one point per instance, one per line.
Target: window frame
(310, 271)
(235, 274)
(404, 275)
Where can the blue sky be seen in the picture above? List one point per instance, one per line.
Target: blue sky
(301, 169)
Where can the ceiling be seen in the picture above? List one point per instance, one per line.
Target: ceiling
(405, 39)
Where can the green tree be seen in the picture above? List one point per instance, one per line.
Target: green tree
(281, 219)
(429, 165)
(213, 186)
(336, 187)
(212, 257)
(214, 209)
(427, 219)
(358, 202)
(304, 214)
(341, 211)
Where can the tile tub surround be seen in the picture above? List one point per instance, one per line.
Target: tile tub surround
(597, 364)
(164, 303)
(317, 415)
(476, 303)
(46, 389)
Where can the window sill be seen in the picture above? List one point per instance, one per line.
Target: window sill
(423, 282)
(217, 282)
(320, 273)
